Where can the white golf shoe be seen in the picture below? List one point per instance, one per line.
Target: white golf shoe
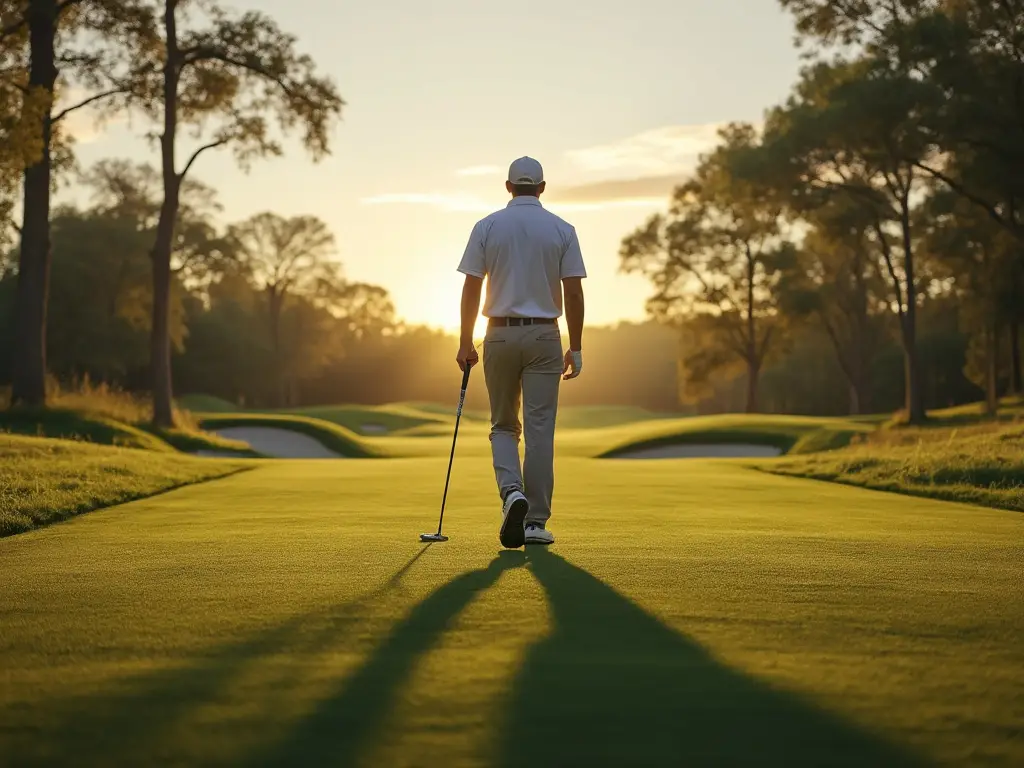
(513, 513)
(535, 534)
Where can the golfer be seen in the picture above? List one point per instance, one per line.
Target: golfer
(530, 258)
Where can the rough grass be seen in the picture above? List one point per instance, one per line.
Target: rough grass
(691, 613)
(44, 481)
(982, 463)
(107, 416)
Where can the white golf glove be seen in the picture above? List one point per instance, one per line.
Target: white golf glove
(576, 356)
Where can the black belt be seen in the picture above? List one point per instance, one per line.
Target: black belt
(501, 322)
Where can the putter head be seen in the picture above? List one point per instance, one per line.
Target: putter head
(433, 537)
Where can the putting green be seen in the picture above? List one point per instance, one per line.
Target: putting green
(691, 613)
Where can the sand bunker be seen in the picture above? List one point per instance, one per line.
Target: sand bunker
(277, 443)
(698, 451)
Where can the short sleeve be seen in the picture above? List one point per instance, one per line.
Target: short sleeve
(572, 259)
(473, 259)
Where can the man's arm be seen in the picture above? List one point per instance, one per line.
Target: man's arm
(572, 291)
(470, 312)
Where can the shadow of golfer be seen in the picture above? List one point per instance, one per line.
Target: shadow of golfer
(130, 721)
(344, 726)
(612, 685)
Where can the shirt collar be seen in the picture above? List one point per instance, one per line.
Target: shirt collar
(524, 200)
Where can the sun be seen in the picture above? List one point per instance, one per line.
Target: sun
(455, 329)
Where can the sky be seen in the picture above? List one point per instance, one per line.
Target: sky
(616, 100)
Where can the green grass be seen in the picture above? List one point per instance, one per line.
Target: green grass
(977, 464)
(691, 613)
(44, 481)
(599, 416)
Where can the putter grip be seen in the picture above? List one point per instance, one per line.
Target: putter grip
(465, 376)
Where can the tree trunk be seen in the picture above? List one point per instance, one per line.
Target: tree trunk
(160, 343)
(1016, 384)
(914, 386)
(275, 302)
(753, 362)
(753, 374)
(855, 406)
(29, 361)
(991, 369)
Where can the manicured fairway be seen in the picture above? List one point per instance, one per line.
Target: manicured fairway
(691, 613)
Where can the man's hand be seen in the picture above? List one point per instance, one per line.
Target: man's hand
(467, 355)
(573, 360)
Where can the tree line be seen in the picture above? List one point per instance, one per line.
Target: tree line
(204, 77)
(883, 199)
(860, 251)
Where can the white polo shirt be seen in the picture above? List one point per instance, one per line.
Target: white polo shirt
(525, 251)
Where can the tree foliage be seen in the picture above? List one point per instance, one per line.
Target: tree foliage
(715, 261)
(225, 79)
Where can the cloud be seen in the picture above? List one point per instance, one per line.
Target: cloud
(659, 151)
(478, 170)
(644, 190)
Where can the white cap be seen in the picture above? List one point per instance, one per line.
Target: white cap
(525, 170)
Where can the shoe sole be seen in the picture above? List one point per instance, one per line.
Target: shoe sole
(512, 535)
(538, 543)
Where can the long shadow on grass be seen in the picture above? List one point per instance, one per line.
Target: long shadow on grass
(344, 726)
(612, 685)
(134, 720)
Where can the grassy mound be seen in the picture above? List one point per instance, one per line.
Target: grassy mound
(977, 464)
(44, 481)
(355, 418)
(600, 416)
(106, 416)
(787, 433)
(332, 436)
(70, 424)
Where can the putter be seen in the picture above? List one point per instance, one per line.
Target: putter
(431, 537)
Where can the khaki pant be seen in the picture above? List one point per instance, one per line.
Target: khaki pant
(523, 368)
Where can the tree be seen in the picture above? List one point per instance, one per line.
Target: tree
(233, 73)
(850, 129)
(20, 110)
(981, 259)
(286, 258)
(838, 286)
(972, 53)
(715, 261)
(133, 190)
(70, 42)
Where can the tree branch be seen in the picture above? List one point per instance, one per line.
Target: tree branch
(203, 53)
(887, 256)
(198, 152)
(961, 190)
(86, 102)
